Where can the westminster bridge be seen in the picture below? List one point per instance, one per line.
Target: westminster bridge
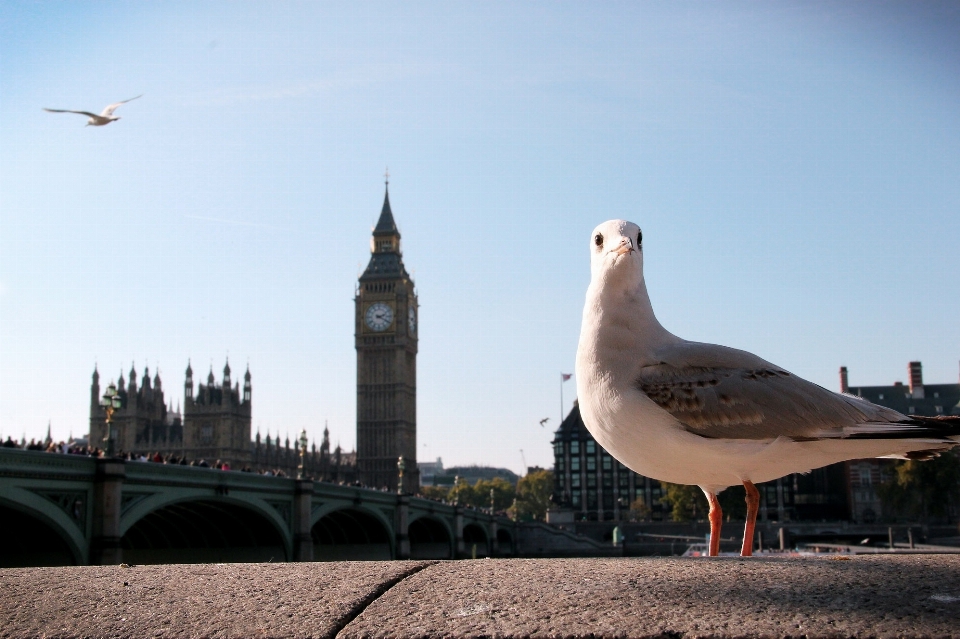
(61, 509)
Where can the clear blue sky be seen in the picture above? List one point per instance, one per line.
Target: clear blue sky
(795, 168)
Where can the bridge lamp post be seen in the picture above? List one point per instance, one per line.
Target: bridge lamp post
(303, 452)
(111, 403)
(491, 501)
(401, 466)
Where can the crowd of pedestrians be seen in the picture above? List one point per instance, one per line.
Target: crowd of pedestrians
(76, 448)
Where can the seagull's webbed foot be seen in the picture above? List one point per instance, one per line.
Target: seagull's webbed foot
(753, 505)
(716, 521)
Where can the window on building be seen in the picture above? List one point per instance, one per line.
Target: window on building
(206, 434)
(912, 410)
(607, 462)
(866, 476)
(575, 498)
(561, 464)
(575, 481)
(591, 464)
(939, 409)
(935, 395)
(591, 481)
(575, 447)
(880, 396)
(591, 447)
(558, 449)
(591, 501)
(771, 495)
(575, 464)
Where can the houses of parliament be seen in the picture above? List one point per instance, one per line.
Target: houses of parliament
(214, 423)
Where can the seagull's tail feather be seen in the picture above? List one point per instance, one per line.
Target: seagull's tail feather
(945, 428)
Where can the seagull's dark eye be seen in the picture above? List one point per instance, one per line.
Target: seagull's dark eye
(598, 239)
(639, 238)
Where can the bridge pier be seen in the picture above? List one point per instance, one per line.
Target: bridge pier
(302, 502)
(403, 527)
(107, 487)
(460, 549)
(492, 536)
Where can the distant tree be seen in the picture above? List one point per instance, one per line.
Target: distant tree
(533, 495)
(733, 503)
(503, 493)
(639, 511)
(435, 492)
(462, 493)
(686, 503)
(923, 489)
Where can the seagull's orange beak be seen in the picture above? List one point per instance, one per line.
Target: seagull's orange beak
(626, 246)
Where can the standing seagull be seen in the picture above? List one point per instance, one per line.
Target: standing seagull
(106, 117)
(712, 416)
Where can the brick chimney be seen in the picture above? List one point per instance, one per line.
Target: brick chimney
(916, 380)
(844, 383)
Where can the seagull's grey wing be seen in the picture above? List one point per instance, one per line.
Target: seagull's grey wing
(113, 107)
(721, 392)
(86, 113)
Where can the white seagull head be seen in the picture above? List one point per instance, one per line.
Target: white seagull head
(616, 254)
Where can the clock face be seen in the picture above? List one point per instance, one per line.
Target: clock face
(412, 320)
(378, 317)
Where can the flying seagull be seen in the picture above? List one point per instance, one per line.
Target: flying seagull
(544, 421)
(712, 416)
(106, 117)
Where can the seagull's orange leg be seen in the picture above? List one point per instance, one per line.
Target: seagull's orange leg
(716, 520)
(753, 505)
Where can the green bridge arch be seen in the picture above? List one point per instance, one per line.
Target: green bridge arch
(21, 537)
(98, 508)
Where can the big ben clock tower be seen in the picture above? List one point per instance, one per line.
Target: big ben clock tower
(386, 341)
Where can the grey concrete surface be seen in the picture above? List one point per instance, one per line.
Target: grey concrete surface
(199, 600)
(892, 596)
(875, 596)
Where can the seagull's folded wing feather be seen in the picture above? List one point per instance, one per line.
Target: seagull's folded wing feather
(721, 392)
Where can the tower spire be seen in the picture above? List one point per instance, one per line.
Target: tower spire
(385, 258)
(386, 225)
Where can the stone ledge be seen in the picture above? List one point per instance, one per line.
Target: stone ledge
(876, 596)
